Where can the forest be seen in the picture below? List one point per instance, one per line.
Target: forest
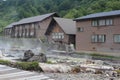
(14, 10)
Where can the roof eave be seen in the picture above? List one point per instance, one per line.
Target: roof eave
(94, 17)
(38, 21)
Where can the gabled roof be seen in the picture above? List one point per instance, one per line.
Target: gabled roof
(97, 15)
(35, 18)
(10, 25)
(67, 25)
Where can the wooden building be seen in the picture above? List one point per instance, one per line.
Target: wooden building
(8, 29)
(99, 32)
(32, 27)
(61, 30)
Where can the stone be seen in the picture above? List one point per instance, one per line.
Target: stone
(76, 69)
(56, 68)
(112, 73)
(27, 55)
(99, 72)
(98, 62)
(90, 70)
(40, 58)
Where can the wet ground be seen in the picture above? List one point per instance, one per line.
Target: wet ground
(58, 57)
(8, 73)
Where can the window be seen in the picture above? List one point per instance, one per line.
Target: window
(94, 38)
(16, 34)
(27, 34)
(53, 35)
(117, 38)
(31, 33)
(58, 35)
(98, 38)
(94, 23)
(33, 26)
(109, 22)
(102, 22)
(80, 29)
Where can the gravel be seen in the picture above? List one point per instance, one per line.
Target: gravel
(79, 76)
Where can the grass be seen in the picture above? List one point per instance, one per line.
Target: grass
(97, 55)
(5, 62)
(49, 62)
(34, 66)
(100, 55)
(27, 65)
(118, 71)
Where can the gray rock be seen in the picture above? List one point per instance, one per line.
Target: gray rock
(40, 58)
(27, 55)
(112, 73)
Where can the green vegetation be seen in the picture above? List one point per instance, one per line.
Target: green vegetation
(101, 56)
(118, 71)
(14, 10)
(104, 56)
(28, 65)
(5, 62)
(22, 65)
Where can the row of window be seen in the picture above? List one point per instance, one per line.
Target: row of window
(57, 35)
(98, 38)
(7, 32)
(102, 22)
(102, 38)
(99, 22)
(24, 34)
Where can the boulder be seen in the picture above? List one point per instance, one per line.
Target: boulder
(40, 58)
(27, 55)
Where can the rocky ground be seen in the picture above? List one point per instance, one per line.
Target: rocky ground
(79, 76)
(94, 69)
(71, 66)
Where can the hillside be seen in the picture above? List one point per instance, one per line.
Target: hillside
(14, 10)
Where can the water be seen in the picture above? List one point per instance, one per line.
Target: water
(15, 47)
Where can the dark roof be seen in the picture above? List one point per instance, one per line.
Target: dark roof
(102, 14)
(10, 25)
(35, 18)
(67, 25)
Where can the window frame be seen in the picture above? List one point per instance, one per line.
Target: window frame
(109, 23)
(80, 29)
(57, 35)
(96, 38)
(102, 22)
(93, 23)
(114, 38)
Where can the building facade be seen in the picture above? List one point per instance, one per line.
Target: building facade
(99, 32)
(8, 30)
(61, 30)
(33, 27)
